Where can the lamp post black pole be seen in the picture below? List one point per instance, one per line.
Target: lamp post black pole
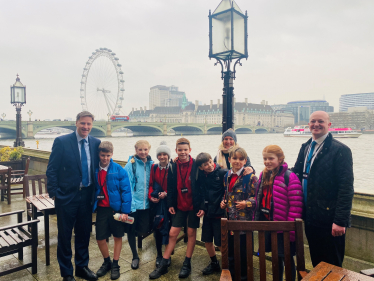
(19, 141)
(227, 101)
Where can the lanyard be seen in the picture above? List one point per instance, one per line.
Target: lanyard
(185, 175)
(315, 152)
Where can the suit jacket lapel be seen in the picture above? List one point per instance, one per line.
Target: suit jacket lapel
(74, 146)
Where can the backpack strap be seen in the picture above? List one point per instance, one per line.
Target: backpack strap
(155, 166)
(133, 165)
(287, 177)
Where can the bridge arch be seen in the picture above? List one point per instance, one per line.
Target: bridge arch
(9, 132)
(140, 129)
(261, 131)
(217, 130)
(180, 129)
(243, 131)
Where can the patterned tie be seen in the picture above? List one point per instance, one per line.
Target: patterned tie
(85, 178)
(307, 168)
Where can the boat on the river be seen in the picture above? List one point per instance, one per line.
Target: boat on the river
(49, 132)
(303, 131)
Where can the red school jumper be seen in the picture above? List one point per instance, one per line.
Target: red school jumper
(160, 176)
(102, 182)
(184, 200)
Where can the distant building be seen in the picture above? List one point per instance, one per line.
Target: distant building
(301, 110)
(245, 114)
(355, 100)
(278, 106)
(166, 96)
(355, 118)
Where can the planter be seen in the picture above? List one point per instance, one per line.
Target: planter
(15, 164)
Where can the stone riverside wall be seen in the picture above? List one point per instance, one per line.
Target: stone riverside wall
(360, 237)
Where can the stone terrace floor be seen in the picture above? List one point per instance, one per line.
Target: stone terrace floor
(147, 255)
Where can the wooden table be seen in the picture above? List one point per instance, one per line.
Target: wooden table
(42, 203)
(328, 272)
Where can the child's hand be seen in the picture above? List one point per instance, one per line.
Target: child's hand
(162, 195)
(124, 217)
(223, 204)
(247, 171)
(155, 200)
(241, 205)
(171, 210)
(200, 213)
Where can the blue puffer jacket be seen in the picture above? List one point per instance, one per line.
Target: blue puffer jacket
(119, 189)
(139, 182)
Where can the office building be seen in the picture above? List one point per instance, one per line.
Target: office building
(166, 96)
(355, 100)
(301, 110)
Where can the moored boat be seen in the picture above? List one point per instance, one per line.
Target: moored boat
(303, 131)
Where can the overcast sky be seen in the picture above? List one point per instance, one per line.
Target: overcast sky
(298, 50)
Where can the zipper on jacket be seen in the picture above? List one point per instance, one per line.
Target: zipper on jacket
(145, 184)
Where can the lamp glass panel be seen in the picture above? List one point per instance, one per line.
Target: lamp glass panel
(19, 95)
(224, 5)
(239, 33)
(221, 33)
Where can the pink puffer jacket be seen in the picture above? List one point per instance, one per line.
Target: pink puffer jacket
(287, 200)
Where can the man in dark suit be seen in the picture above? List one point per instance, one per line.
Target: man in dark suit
(70, 174)
(325, 168)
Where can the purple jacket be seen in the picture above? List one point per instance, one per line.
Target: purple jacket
(287, 200)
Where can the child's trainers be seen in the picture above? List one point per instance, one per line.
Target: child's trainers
(115, 272)
(211, 268)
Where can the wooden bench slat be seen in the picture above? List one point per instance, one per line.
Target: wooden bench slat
(261, 245)
(274, 256)
(237, 254)
(334, 276)
(7, 238)
(13, 235)
(249, 240)
(25, 235)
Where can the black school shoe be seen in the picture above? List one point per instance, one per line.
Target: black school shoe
(135, 263)
(105, 267)
(185, 270)
(159, 271)
(85, 273)
(159, 259)
(115, 272)
(211, 268)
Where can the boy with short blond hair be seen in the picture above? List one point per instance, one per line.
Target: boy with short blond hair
(185, 204)
(112, 195)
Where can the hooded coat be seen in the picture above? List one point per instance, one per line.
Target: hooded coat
(139, 173)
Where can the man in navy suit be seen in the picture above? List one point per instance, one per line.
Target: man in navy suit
(70, 174)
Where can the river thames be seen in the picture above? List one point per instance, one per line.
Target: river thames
(362, 150)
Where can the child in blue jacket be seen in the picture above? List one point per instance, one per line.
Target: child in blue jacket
(138, 168)
(112, 195)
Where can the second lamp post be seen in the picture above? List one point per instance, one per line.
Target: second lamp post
(228, 42)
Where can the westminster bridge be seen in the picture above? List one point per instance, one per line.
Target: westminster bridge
(105, 129)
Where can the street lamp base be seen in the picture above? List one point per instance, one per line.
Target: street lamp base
(19, 143)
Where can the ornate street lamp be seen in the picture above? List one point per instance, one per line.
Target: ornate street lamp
(29, 113)
(18, 99)
(227, 42)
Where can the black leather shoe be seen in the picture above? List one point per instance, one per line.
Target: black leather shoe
(85, 273)
(105, 267)
(169, 261)
(159, 271)
(115, 272)
(135, 263)
(211, 268)
(185, 270)
(68, 278)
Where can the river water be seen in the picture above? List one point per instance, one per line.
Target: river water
(362, 150)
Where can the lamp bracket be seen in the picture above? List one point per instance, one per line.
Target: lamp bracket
(226, 65)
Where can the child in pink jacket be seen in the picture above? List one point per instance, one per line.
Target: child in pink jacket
(279, 197)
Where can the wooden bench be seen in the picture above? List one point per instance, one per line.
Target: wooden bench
(274, 227)
(16, 178)
(15, 237)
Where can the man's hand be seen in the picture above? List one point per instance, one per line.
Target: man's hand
(155, 200)
(171, 210)
(241, 205)
(223, 204)
(200, 213)
(247, 171)
(124, 217)
(162, 195)
(337, 230)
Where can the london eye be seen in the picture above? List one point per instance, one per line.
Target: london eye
(102, 84)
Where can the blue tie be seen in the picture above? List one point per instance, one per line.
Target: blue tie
(307, 168)
(85, 178)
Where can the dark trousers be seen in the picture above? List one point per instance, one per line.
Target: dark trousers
(325, 247)
(243, 256)
(75, 214)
